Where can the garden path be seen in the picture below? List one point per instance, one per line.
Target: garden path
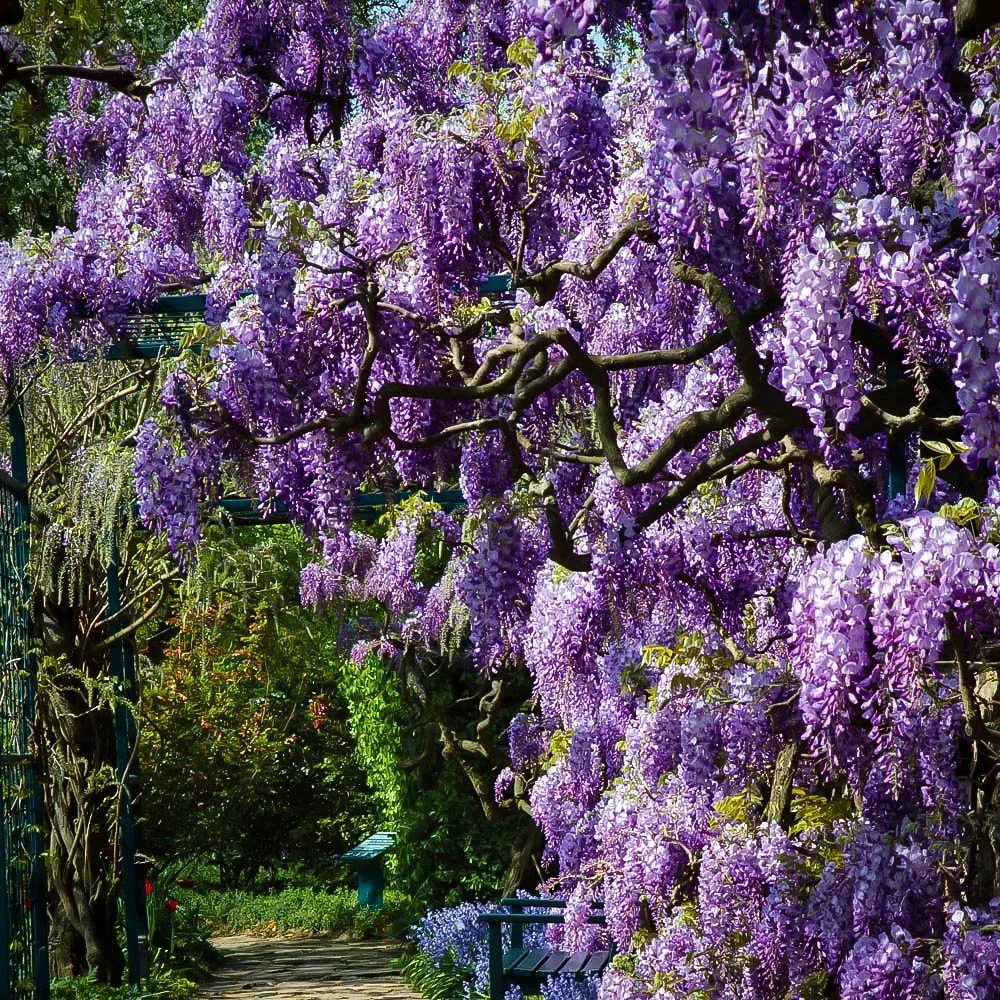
(306, 969)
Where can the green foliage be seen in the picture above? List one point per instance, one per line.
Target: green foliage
(37, 192)
(376, 710)
(159, 986)
(67, 29)
(966, 512)
(434, 981)
(815, 986)
(738, 808)
(447, 850)
(815, 812)
(94, 497)
(300, 909)
(244, 737)
(943, 453)
(247, 755)
(177, 933)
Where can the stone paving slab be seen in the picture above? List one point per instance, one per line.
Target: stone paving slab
(306, 969)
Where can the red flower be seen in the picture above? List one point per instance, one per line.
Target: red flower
(172, 904)
(186, 883)
(149, 886)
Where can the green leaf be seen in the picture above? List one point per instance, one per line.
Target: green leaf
(965, 512)
(926, 480)
(937, 446)
(460, 68)
(522, 52)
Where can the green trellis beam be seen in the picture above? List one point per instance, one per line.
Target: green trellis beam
(158, 333)
(19, 752)
(366, 506)
(127, 770)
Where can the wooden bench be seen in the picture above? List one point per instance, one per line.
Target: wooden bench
(530, 967)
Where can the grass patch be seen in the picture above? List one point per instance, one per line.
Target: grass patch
(159, 986)
(440, 981)
(298, 910)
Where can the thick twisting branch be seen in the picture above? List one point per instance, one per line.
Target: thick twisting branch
(15, 486)
(779, 802)
(973, 17)
(544, 283)
(118, 78)
(975, 725)
(747, 359)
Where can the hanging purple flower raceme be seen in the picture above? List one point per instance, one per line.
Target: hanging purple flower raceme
(819, 366)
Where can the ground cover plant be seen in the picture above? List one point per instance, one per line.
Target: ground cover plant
(298, 910)
(160, 986)
(729, 443)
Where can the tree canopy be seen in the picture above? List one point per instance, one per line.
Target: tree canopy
(729, 443)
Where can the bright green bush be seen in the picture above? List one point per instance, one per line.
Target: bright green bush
(247, 757)
(299, 909)
(160, 986)
(447, 850)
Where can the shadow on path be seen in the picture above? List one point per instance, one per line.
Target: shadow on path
(306, 969)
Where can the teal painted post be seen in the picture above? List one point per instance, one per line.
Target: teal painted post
(371, 884)
(517, 928)
(365, 860)
(496, 961)
(897, 469)
(133, 887)
(37, 884)
(4, 906)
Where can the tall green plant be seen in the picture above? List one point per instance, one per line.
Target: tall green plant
(375, 703)
(447, 848)
(247, 755)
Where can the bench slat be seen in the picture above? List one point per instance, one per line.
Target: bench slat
(576, 962)
(554, 963)
(596, 961)
(513, 956)
(530, 961)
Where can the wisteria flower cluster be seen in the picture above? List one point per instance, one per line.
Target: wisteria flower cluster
(691, 300)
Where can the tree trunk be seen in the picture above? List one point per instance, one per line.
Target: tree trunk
(67, 956)
(973, 17)
(525, 854)
(76, 738)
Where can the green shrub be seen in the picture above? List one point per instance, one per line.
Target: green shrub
(300, 909)
(247, 756)
(178, 935)
(447, 850)
(440, 981)
(159, 986)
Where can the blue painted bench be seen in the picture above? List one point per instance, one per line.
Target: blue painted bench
(530, 967)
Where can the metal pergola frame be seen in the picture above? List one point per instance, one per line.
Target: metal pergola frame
(156, 334)
(159, 333)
